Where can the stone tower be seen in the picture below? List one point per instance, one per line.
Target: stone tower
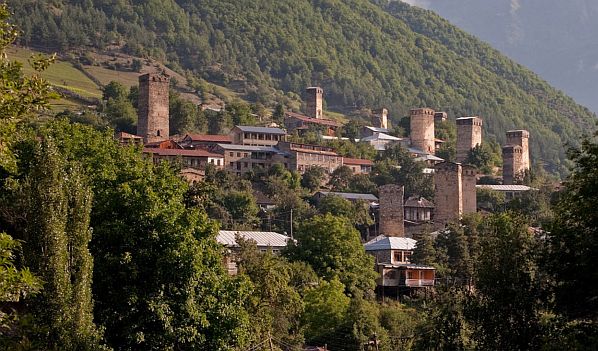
(380, 118)
(469, 135)
(440, 117)
(512, 163)
(422, 129)
(314, 102)
(468, 182)
(391, 213)
(448, 193)
(153, 112)
(521, 138)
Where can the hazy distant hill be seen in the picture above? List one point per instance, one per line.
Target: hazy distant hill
(364, 54)
(555, 38)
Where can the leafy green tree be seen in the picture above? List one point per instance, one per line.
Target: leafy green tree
(424, 252)
(121, 115)
(326, 308)
(313, 178)
(340, 178)
(278, 114)
(454, 244)
(573, 238)
(396, 165)
(183, 114)
(115, 91)
(333, 248)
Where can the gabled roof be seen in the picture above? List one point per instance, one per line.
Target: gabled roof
(416, 201)
(304, 118)
(382, 242)
(357, 161)
(351, 196)
(429, 157)
(265, 130)
(181, 152)
(125, 135)
(209, 138)
(263, 239)
(378, 130)
(381, 136)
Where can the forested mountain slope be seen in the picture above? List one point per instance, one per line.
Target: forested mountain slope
(364, 54)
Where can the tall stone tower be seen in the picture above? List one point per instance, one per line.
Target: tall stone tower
(422, 129)
(391, 213)
(468, 182)
(153, 112)
(512, 163)
(521, 138)
(448, 193)
(469, 135)
(380, 118)
(314, 102)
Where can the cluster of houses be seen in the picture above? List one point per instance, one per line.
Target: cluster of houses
(248, 148)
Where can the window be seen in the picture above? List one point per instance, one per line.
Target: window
(238, 166)
(411, 275)
(238, 154)
(406, 256)
(398, 256)
(245, 155)
(390, 274)
(158, 133)
(232, 164)
(231, 154)
(245, 164)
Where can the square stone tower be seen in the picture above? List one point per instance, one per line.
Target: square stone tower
(422, 129)
(468, 182)
(469, 135)
(314, 102)
(520, 137)
(391, 213)
(448, 193)
(153, 110)
(512, 163)
(380, 118)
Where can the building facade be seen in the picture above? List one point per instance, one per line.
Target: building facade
(448, 193)
(422, 129)
(257, 136)
(314, 102)
(521, 138)
(512, 164)
(196, 159)
(303, 156)
(469, 135)
(153, 109)
(391, 213)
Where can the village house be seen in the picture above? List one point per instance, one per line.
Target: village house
(257, 136)
(296, 122)
(196, 159)
(264, 240)
(303, 156)
(358, 165)
(244, 158)
(127, 138)
(368, 131)
(353, 197)
(381, 141)
(511, 191)
(204, 141)
(393, 263)
(418, 209)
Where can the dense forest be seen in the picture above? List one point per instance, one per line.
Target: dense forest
(364, 54)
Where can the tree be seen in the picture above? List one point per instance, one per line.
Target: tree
(574, 237)
(313, 178)
(333, 248)
(115, 91)
(326, 308)
(424, 252)
(278, 114)
(397, 166)
(340, 178)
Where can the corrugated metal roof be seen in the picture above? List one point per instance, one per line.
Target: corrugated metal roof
(266, 130)
(351, 196)
(505, 187)
(381, 136)
(249, 148)
(382, 242)
(263, 239)
(379, 130)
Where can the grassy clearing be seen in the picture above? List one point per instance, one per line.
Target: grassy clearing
(61, 74)
(106, 75)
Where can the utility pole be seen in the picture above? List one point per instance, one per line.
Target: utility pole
(291, 223)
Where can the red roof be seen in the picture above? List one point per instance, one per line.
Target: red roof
(125, 135)
(304, 118)
(357, 161)
(209, 138)
(181, 152)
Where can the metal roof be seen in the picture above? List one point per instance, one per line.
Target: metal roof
(418, 201)
(249, 148)
(382, 242)
(379, 130)
(429, 157)
(263, 239)
(505, 187)
(267, 130)
(351, 196)
(406, 265)
(381, 136)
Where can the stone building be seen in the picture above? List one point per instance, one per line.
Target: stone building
(418, 209)
(240, 159)
(303, 156)
(469, 135)
(440, 117)
(468, 184)
(422, 129)
(153, 107)
(448, 194)
(197, 159)
(521, 138)
(257, 136)
(391, 213)
(314, 102)
(380, 118)
(358, 165)
(298, 123)
(512, 164)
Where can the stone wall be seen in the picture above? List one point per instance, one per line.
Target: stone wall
(448, 194)
(391, 210)
(314, 102)
(422, 129)
(469, 135)
(153, 111)
(468, 180)
(521, 138)
(512, 159)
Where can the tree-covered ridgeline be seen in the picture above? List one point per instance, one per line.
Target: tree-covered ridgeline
(364, 54)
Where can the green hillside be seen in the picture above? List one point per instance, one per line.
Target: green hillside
(364, 54)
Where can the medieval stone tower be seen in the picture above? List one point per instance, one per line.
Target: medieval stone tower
(422, 129)
(521, 138)
(314, 102)
(469, 135)
(448, 193)
(153, 112)
(512, 163)
(380, 118)
(391, 213)
(469, 194)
